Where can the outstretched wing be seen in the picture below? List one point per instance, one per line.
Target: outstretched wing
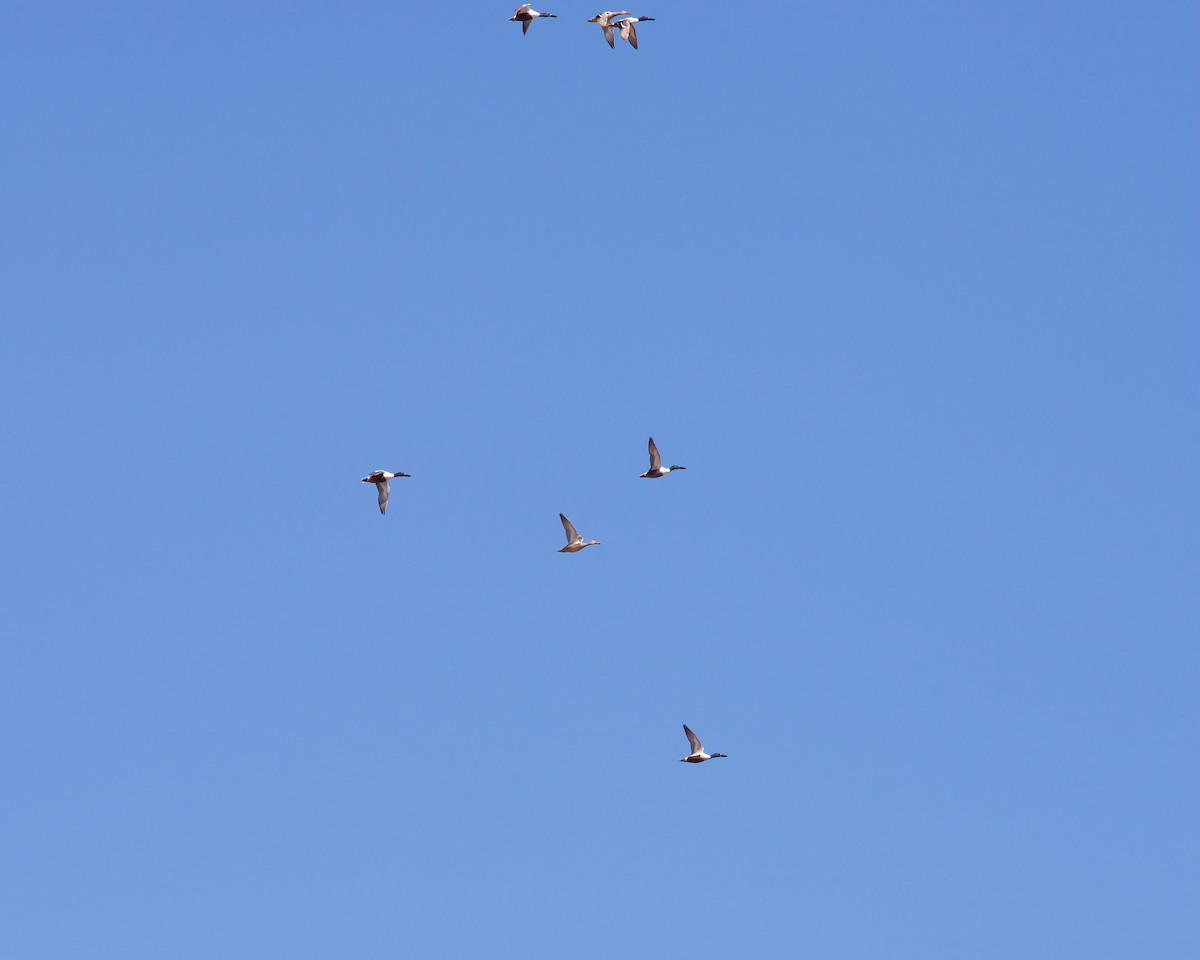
(522, 9)
(608, 35)
(384, 490)
(525, 24)
(655, 459)
(632, 34)
(693, 740)
(572, 533)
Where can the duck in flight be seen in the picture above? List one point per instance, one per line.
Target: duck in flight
(628, 28)
(525, 16)
(604, 20)
(697, 755)
(656, 468)
(380, 478)
(575, 542)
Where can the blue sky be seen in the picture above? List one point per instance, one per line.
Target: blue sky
(910, 289)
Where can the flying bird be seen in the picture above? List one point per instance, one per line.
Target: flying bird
(656, 468)
(575, 542)
(525, 16)
(380, 478)
(628, 28)
(603, 19)
(697, 755)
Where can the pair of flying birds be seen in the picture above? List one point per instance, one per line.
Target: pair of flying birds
(626, 26)
(575, 542)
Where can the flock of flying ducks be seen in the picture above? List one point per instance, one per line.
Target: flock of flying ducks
(626, 25)
(575, 542)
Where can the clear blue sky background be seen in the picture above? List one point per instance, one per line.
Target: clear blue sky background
(911, 289)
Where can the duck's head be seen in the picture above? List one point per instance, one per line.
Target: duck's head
(400, 473)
